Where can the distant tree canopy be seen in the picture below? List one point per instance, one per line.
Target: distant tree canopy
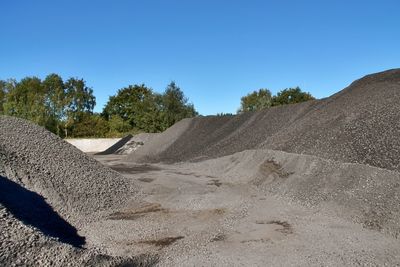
(52, 103)
(263, 98)
(256, 100)
(291, 96)
(66, 107)
(141, 108)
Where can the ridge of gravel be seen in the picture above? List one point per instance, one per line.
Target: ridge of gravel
(49, 191)
(76, 185)
(359, 124)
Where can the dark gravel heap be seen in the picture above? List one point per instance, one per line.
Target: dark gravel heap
(48, 190)
(114, 148)
(74, 184)
(360, 124)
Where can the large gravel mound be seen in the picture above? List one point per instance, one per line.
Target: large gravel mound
(75, 185)
(360, 124)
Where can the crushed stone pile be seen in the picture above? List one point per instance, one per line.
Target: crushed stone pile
(72, 182)
(359, 124)
(48, 190)
(129, 144)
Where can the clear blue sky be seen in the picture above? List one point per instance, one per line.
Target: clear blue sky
(216, 51)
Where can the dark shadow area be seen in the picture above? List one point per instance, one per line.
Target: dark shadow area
(32, 209)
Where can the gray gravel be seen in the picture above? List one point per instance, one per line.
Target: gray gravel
(359, 124)
(49, 190)
(235, 203)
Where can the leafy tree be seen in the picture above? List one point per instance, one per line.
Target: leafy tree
(26, 99)
(291, 96)
(56, 101)
(79, 102)
(256, 100)
(3, 92)
(118, 125)
(175, 105)
(90, 125)
(131, 104)
(79, 98)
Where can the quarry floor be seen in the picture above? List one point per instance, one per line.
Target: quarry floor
(194, 216)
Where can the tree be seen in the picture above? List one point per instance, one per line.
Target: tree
(56, 100)
(175, 106)
(79, 102)
(291, 96)
(132, 104)
(90, 125)
(26, 99)
(256, 100)
(118, 125)
(3, 92)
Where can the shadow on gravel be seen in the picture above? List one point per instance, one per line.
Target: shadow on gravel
(32, 209)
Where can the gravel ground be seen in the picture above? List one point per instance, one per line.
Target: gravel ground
(355, 125)
(258, 208)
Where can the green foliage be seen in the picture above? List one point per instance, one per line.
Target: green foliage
(66, 107)
(256, 100)
(145, 110)
(118, 125)
(175, 106)
(90, 125)
(3, 93)
(262, 99)
(51, 103)
(132, 103)
(291, 96)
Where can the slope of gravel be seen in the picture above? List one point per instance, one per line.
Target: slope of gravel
(23, 245)
(118, 145)
(129, 143)
(48, 191)
(360, 124)
(161, 142)
(73, 183)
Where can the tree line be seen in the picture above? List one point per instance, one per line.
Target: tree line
(66, 107)
(263, 98)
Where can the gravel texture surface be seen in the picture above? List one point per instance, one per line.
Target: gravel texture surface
(49, 191)
(129, 144)
(259, 208)
(359, 124)
(223, 196)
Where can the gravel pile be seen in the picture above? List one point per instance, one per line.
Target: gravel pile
(48, 190)
(360, 124)
(129, 144)
(117, 146)
(73, 183)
